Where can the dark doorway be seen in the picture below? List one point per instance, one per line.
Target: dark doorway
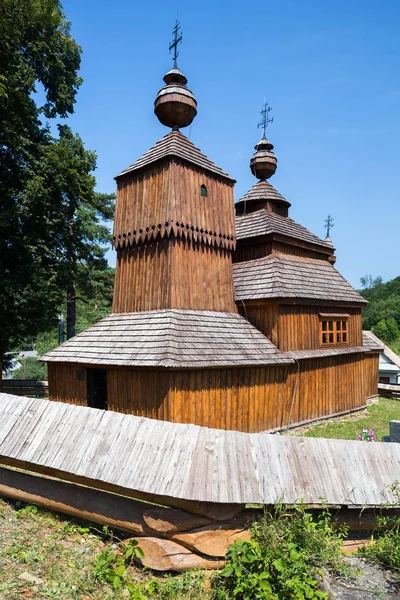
(97, 388)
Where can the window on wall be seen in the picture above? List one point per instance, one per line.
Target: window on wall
(203, 191)
(334, 330)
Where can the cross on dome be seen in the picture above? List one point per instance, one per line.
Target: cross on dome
(173, 47)
(265, 118)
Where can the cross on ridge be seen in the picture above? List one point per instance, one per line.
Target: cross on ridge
(328, 224)
(173, 47)
(265, 119)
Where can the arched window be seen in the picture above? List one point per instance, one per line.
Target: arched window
(203, 190)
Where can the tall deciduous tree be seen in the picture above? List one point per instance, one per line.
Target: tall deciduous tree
(50, 217)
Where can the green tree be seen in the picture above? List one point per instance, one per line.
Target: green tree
(382, 315)
(31, 369)
(50, 217)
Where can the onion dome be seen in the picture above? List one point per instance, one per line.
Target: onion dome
(175, 105)
(263, 162)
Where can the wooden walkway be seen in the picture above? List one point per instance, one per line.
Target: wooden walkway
(164, 462)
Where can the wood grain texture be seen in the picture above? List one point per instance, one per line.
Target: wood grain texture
(217, 469)
(297, 327)
(167, 200)
(241, 399)
(212, 541)
(248, 250)
(173, 273)
(370, 375)
(64, 385)
(166, 555)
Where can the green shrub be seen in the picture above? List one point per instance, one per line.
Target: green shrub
(385, 542)
(32, 369)
(283, 559)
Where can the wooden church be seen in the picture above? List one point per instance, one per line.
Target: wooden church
(238, 323)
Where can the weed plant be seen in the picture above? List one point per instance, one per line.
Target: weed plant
(284, 559)
(384, 548)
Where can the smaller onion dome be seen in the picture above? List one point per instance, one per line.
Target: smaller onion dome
(175, 105)
(263, 162)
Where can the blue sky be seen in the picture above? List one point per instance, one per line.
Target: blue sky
(330, 71)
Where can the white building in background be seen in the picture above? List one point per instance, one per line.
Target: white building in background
(13, 366)
(389, 362)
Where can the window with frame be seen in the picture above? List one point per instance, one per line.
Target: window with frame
(203, 191)
(334, 330)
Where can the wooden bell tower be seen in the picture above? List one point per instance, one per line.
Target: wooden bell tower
(174, 228)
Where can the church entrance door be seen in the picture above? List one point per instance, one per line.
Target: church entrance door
(97, 388)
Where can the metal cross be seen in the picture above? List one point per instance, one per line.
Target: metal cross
(173, 47)
(265, 119)
(328, 224)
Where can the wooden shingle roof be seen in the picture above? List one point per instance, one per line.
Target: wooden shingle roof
(171, 338)
(175, 144)
(370, 340)
(263, 190)
(287, 276)
(263, 222)
(326, 352)
(165, 460)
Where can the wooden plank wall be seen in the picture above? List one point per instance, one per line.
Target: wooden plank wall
(245, 251)
(239, 399)
(371, 374)
(299, 326)
(170, 193)
(247, 399)
(328, 386)
(173, 273)
(263, 316)
(296, 327)
(64, 386)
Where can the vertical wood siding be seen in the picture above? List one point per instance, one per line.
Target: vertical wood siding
(296, 327)
(173, 273)
(64, 385)
(265, 318)
(299, 326)
(245, 251)
(246, 399)
(170, 193)
(371, 373)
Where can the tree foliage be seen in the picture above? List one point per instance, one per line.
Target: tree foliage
(382, 315)
(31, 369)
(50, 217)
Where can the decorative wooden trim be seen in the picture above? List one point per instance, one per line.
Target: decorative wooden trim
(334, 315)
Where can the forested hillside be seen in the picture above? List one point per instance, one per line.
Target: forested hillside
(382, 315)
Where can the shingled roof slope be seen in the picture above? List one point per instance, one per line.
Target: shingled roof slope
(176, 144)
(263, 222)
(263, 190)
(287, 276)
(371, 341)
(172, 338)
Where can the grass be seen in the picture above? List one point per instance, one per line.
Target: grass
(376, 416)
(63, 553)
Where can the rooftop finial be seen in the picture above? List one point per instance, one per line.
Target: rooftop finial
(328, 224)
(173, 47)
(175, 105)
(265, 118)
(263, 162)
